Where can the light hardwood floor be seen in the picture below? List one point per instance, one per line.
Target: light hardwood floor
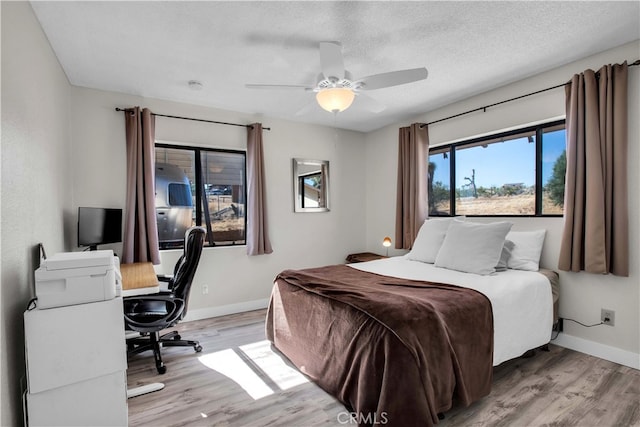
(556, 388)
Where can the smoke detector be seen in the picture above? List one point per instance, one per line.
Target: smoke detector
(195, 85)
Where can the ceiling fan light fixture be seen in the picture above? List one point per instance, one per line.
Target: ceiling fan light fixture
(335, 99)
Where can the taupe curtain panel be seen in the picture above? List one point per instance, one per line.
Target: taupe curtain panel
(595, 238)
(411, 197)
(140, 243)
(257, 237)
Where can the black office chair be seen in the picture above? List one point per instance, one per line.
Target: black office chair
(150, 314)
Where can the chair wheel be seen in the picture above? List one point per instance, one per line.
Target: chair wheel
(161, 369)
(198, 348)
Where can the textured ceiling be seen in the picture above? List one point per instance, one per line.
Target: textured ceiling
(154, 48)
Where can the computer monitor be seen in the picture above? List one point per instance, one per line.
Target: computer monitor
(99, 226)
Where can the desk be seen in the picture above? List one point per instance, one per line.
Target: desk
(139, 278)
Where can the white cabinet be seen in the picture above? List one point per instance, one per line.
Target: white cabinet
(76, 365)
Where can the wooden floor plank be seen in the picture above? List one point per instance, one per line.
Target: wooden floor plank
(556, 388)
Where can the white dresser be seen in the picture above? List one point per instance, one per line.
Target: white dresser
(76, 365)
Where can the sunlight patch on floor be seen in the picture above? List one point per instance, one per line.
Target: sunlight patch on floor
(272, 364)
(230, 364)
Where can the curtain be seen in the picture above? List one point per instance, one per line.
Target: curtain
(140, 243)
(411, 197)
(257, 237)
(595, 235)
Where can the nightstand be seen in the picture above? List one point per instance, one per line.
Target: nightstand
(363, 257)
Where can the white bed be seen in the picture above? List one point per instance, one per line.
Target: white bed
(420, 325)
(522, 301)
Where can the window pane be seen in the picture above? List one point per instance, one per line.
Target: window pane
(554, 166)
(224, 183)
(180, 195)
(439, 188)
(175, 185)
(497, 178)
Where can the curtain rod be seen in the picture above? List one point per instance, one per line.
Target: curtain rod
(195, 120)
(637, 62)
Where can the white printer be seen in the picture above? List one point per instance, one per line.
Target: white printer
(70, 278)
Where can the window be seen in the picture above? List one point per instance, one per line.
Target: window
(200, 186)
(180, 194)
(554, 167)
(516, 173)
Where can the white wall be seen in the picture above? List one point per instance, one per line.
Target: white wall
(582, 295)
(235, 280)
(36, 184)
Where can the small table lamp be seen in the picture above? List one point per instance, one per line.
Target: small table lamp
(386, 243)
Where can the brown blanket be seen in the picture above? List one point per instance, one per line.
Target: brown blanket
(395, 351)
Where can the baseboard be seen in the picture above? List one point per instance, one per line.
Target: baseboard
(612, 354)
(223, 310)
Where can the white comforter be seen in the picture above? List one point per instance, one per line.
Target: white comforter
(521, 300)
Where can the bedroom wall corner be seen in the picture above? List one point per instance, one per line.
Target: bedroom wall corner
(381, 156)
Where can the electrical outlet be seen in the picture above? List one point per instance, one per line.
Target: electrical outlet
(608, 317)
(205, 289)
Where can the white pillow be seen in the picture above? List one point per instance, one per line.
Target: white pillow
(527, 250)
(505, 255)
(473, 247)
(429, 239)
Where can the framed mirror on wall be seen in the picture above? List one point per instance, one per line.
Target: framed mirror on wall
(311, 185)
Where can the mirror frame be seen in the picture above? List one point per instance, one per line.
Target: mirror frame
(297, 196)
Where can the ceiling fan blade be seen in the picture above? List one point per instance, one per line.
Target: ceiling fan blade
(368, 103)
(278, 87)
(393, 78)
(331, 60)
(307, 108)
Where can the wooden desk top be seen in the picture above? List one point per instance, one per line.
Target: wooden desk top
(138, 275)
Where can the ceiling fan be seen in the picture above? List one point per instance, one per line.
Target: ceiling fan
(336, 88)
